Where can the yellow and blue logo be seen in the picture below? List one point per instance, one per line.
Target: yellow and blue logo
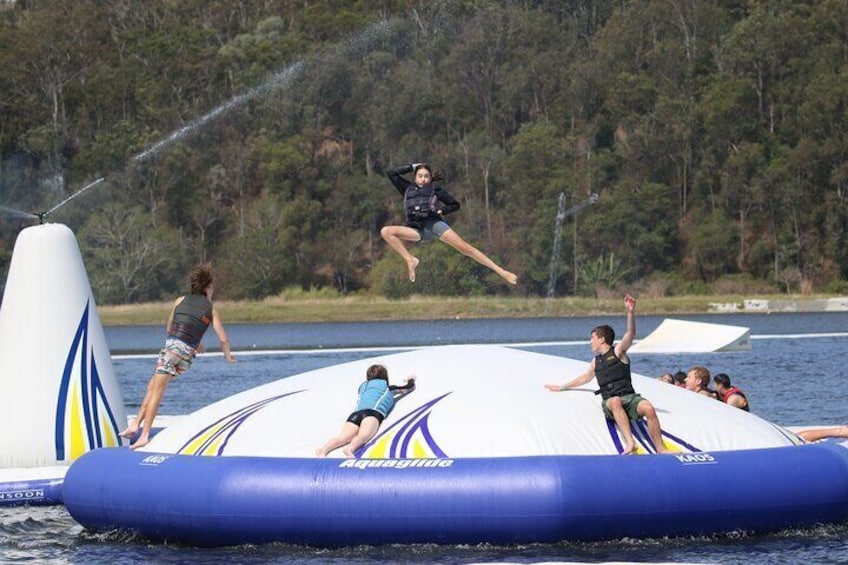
(84, 419)
(642, 439)
(409, 438)
(212, 440)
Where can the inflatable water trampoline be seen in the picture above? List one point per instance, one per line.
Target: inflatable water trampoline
(479, 452)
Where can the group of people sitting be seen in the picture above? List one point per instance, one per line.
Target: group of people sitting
(697, 379)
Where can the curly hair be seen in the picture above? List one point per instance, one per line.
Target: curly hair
(201, 278)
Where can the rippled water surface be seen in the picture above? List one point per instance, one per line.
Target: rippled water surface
(793, 376)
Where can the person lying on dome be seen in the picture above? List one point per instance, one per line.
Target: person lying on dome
(376, 400)
(426, 204)
(730, 394)
(611, 367)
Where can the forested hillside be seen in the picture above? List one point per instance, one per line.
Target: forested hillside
(255, 134)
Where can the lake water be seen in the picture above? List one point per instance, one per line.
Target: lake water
(792, 376)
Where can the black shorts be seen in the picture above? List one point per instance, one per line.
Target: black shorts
(357, 417)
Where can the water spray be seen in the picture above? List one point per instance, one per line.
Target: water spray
(361, 42)
(41, 216)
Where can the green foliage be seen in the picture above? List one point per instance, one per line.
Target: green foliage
(714, 134)
(128, 258)
(602, 273)
(442, 272)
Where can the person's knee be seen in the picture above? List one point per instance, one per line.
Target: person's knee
(614, 403)
(386, 232)
(646, 410)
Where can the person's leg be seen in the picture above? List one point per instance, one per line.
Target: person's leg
(646, 410)
(823, 433)
(132, 428)
(616, 408)
(367, 429)
(395, 236)
(454, 240)
(346, 434)
(155, 391)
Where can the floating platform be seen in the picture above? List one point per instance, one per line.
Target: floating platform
(37, 486)
(683, 336)
(480, 452)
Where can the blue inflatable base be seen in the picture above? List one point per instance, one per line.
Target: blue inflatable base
(37, 492)
(214, 501)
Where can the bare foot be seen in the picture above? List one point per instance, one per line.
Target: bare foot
(511, 278)
(320, 453)
(410, 268)
(661, 449)
(140, 442)
(348, 453)
(629, 449)
(129, 432)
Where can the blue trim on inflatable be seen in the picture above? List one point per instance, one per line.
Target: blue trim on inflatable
(41, 492)
(331, 502)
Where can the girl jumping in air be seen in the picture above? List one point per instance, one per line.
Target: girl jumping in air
(425, 206)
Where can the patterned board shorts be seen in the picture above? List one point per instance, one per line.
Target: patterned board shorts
(175, 358)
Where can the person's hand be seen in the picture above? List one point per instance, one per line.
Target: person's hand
(629, 303)
(415, 165)
(199, 348)
(554, 388)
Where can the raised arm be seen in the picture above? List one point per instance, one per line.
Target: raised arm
(630, 333)
(395, 175)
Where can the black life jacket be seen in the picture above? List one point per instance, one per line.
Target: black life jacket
(419, 202)
(191, 318)
(613, 375)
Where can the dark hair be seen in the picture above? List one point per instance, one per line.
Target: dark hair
(722, 379)
(434, 177)
(201, 278)
(377, 372)
(679, 377)
(605, 332)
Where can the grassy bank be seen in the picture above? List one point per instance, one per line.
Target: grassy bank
(357, 308)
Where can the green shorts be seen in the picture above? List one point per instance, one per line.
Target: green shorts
(630, 403)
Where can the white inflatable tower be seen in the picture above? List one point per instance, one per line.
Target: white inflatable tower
(60, 395)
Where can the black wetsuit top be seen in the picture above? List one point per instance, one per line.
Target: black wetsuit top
(613, 375)
(191, 318)
(413, 195)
